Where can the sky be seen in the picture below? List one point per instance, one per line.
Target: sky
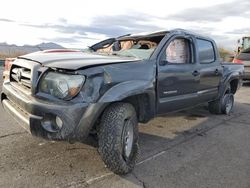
(80, 23)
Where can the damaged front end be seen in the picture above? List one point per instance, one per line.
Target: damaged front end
(61, 104)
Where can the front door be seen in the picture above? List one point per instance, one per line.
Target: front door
(178, 77)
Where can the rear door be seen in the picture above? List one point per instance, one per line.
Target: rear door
(210, 69)
(178, 76)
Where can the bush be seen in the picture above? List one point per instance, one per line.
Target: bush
(226, 55)
(11, 54)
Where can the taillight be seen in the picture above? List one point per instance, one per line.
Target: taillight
(7, 66)
(238, 61)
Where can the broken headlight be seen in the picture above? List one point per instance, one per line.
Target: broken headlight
(62, 86)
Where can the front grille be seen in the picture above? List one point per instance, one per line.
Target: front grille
(21, 76)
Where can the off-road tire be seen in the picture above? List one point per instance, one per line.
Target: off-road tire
(226, 108)
(111, 146)
(219, 106)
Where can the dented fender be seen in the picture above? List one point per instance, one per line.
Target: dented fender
(115, 82)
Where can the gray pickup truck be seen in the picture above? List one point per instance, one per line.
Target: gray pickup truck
(116, 83)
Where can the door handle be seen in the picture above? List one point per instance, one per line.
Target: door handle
(196, 73)
(216, 72)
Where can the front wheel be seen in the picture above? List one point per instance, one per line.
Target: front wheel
(118, 138)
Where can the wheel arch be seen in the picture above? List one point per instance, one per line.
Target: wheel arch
(140, 93)
(232, 82)
(144, 106)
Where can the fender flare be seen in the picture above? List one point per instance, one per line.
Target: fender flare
(88, 120)
(114, 94)
(224, 84)
(126, 89)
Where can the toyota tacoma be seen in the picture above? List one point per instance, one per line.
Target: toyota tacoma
(115, 84)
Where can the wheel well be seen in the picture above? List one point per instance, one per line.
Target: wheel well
(144, 110)
(142, 106)
(234, 85)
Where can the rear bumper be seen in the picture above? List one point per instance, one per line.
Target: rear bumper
(39, 116)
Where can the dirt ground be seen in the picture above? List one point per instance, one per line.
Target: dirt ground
(187, 149)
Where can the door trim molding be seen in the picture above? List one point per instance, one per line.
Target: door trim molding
(187, 96)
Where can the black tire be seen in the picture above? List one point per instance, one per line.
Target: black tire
(227, 103)
(214, 107)
(118, 119)
(224, 104)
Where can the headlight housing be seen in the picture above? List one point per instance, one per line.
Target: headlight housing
(62, 86)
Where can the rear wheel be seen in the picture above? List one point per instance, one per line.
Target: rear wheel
(223, 105)
(228, 103)
(118, 138)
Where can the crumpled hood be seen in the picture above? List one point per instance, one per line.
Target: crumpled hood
(73, 60)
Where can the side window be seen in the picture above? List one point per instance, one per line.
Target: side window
(178, 51)
(206, 51)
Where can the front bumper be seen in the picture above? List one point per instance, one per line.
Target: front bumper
(33, 114)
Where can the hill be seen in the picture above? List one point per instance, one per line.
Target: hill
(7, 50)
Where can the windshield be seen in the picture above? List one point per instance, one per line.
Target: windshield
(140, 47)
(246, 43)
(137, 53)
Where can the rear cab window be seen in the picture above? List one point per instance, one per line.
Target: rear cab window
(206, 51)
